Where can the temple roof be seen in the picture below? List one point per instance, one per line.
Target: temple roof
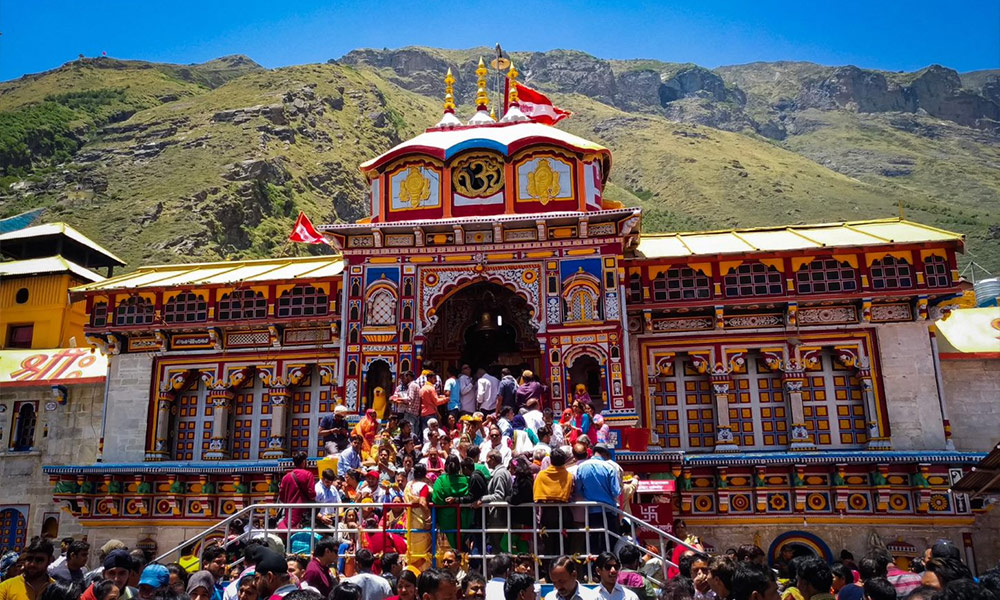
(796, 237)
(56, 238)
(222, 273)
(46, 266)
(506, 138)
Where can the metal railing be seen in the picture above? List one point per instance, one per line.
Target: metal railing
(544, 530)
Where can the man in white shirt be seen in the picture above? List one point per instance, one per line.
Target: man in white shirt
(500, 566)
(373, 587)
(487, 391)
(327, 493)
(607, 570)
(467, 391)
(563, 575)
(497, 441)
(533, 418)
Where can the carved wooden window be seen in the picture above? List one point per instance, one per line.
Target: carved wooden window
(753, 279)
(303, 301)
(309, 403)
(826, 275)
(833, 405)
(380, 308)
(758, 412)
(891, 273)
(192, 424)
(683, 409)
(242, 305)
(681, 283)
(635, 288)
(134, 310)
(99, 314)
(22, 436)
(581, 304)
(936, 272)
(250, 422)
(185, 307)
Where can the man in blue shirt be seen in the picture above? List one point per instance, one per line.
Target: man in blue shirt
(350, 458)
(596, 481)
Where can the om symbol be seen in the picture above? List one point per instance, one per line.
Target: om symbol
(477, 176)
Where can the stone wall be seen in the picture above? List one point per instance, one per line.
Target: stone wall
(73, 430)
(910, 386)
(972, 396)
(129, 389)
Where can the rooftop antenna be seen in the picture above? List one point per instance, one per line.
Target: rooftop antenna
(499, 64)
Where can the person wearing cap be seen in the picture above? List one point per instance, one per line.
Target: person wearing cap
(116, 567)
(530, 388)
(369, 486)
(154, 578)
(333, 430)
(271, 576)
(201, 585)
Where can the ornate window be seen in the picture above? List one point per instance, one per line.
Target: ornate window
(303, 301)
(242, 305)
(250, 422)
(635, 288)
(380, 307)
(581, 304)
(683, 409)
(753, 279)
(826, 275)
(99, 314)
(681, 283)
(22, 436)
(758, 413)
(891, 273)
(134, 310)
(936, 272)
(833, 405)
(193, 424)
(185, 307)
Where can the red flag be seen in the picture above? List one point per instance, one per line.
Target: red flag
(305, 232)
(537, 107)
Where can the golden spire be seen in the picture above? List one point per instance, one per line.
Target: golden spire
(493, 114)
(511, 77)
(449, 92)
(482, 100)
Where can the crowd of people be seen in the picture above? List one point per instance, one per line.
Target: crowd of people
(469, 477)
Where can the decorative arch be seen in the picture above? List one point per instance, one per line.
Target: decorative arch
(811, 542)
(438, 284)
(581, 297)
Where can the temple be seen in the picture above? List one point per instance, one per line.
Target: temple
(775, 385)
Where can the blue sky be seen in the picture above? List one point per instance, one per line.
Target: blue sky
(885, 34)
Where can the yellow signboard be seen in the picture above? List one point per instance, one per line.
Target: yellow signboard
(52, 367)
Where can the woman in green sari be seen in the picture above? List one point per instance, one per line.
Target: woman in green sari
(450, 486)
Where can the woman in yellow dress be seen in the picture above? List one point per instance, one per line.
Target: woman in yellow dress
(418, 494)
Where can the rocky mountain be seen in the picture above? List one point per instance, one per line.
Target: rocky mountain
(167, 163)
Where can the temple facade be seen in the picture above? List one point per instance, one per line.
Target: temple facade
(785, 380)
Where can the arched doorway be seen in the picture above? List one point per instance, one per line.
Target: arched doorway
(486, 325)
(587, 371)
(378, 376)
(50, 528)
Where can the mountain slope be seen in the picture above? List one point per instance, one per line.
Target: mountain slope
(169, 163)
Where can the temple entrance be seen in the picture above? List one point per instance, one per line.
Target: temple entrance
(586, 371)
(485, 325)
(378, 387)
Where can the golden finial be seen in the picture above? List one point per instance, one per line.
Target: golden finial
(449, 92)
(482, 100)
(511, 77)
(493, 114)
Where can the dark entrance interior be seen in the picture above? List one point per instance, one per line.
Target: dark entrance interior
(485, 325)
(379, 376)
(587, 371)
